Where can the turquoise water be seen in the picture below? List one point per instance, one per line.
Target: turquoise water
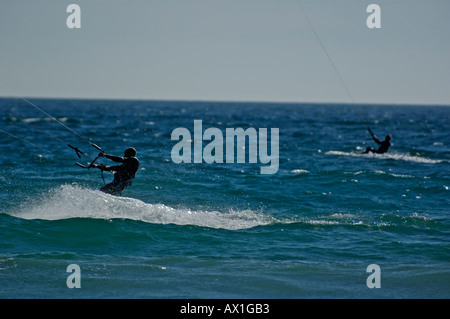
(225, 230)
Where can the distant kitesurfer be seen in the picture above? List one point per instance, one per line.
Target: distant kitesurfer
(384, 145)
(123, 174)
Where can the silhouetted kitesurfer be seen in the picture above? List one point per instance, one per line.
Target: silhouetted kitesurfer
(123, 174)
(384, 145)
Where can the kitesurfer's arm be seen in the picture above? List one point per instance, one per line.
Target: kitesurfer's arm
(114, 158)
(374, 137)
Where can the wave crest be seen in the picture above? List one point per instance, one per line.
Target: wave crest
(391, 156)
(76, 202)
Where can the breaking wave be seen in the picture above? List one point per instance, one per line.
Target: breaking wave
(390, 156)
(77, 202)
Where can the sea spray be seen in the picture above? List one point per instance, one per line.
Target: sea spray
(70, 201)
(389, 156)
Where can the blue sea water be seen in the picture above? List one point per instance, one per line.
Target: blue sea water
(215, 230)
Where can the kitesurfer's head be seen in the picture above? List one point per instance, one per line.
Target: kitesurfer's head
(388, 137)
(130, 152)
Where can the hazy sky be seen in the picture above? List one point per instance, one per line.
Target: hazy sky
(233, 50)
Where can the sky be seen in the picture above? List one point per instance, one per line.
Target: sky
(227, 50)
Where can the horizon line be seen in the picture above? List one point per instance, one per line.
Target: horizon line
(227, 101)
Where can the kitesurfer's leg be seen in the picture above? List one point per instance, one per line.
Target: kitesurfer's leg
(113, 188)
(369, 149)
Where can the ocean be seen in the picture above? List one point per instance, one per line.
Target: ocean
(313, 229)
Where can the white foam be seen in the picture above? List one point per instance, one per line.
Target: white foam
(299, 171)
(391, 156)
(40, 119)
(378, 172)
(73, 201)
